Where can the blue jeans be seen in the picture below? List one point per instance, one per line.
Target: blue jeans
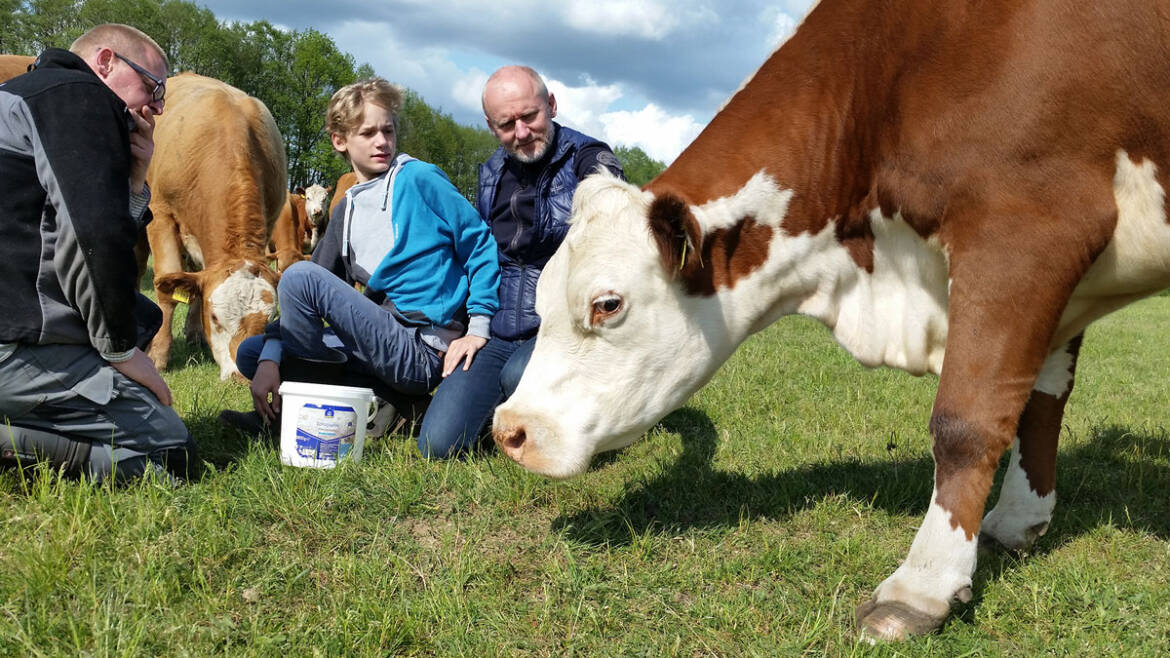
(466, 398)
(362, 337)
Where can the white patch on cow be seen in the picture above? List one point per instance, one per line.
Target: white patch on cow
(1056, 376)
(1020, 516)
(895, 316)
(759, 198)
(241, 294)
(937, 569)
(1136, 262)
(193, 250)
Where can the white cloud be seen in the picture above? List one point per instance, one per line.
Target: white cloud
(616, 18)
(587, 108)
(467, 90)
(782, 23)
(661, 135)
(582, 107)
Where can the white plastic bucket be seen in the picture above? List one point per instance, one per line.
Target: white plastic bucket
(321, 425)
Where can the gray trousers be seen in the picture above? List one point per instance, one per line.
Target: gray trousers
(64, 404)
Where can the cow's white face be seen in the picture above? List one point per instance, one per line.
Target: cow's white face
(316, 204)
(238, 303)
(620, 343)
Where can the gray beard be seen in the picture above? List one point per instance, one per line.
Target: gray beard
(535, 157)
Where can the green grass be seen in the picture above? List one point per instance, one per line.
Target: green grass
(742, 525)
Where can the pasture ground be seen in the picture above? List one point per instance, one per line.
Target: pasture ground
(750, 522)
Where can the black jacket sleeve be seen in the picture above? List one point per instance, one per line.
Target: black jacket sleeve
(83, 164)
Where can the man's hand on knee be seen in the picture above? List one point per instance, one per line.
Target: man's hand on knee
(141, 369)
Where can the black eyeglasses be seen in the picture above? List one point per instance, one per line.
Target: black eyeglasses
(160, 86)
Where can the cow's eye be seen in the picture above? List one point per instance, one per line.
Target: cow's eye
(605, 307)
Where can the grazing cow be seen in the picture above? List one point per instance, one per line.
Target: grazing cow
(14, 65)
(218, 183)
(952, 188)
(343, 184)
(291, 233)
(316, 198)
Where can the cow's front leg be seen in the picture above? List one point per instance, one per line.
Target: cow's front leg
(163, 235)
(1028, 494)
(195, 334)
(998, 338)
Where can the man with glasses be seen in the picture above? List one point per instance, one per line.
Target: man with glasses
(76, 138)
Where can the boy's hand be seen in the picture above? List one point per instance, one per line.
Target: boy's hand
(459, 349)
(265, 389)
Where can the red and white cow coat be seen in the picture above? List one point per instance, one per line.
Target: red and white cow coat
(952, 188)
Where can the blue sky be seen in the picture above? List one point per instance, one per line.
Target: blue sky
(649, 73)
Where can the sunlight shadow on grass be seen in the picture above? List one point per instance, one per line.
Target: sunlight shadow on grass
(1117, 477)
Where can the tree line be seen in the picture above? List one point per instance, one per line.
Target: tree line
(293, 72)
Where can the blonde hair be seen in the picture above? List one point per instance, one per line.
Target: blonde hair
(122, 38)
(347, 106)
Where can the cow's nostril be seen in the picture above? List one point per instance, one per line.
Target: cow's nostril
(514, 439)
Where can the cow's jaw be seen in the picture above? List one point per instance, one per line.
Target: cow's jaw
(241, 301)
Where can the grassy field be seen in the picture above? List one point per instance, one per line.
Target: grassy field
(750, 522)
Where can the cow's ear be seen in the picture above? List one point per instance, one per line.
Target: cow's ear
(300, 191)
(179, 285)
(676, 233)
(328, 189)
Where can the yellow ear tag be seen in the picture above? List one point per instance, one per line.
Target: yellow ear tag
(180, 296)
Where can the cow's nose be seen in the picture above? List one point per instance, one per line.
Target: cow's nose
(511, 440)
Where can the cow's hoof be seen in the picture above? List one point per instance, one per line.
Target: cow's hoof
(1016, 546)
(893, 621)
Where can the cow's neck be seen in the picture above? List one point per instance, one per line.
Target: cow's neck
(783, 193)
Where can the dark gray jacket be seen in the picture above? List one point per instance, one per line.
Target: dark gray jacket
(67, 267)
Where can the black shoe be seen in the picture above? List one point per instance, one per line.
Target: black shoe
(246, 422)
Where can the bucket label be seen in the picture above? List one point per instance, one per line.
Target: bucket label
(325, 431)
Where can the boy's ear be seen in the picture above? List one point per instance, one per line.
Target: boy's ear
(338, 142)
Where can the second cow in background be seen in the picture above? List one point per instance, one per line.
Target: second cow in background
(291, 235)
(218, 183)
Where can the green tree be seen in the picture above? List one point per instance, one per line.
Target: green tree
(294, 73)
(42, 24)
(431, 135)
(11, 16)
(639, 167)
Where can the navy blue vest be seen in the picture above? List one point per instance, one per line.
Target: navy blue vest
(519, 272)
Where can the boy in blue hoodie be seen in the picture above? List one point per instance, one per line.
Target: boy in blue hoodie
(425, 258)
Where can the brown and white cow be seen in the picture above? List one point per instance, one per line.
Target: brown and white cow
(316, 207)
(14, 65)
(218, 183)
(952, 188)
(291, 234)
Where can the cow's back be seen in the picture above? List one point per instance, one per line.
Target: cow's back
(219, 166)
(346, 181)
(14, 65)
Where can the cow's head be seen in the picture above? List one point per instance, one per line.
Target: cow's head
(239, 298)
(316, 207)
(632, 323)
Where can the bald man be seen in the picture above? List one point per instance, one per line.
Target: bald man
(76, 138)
(525, 195)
